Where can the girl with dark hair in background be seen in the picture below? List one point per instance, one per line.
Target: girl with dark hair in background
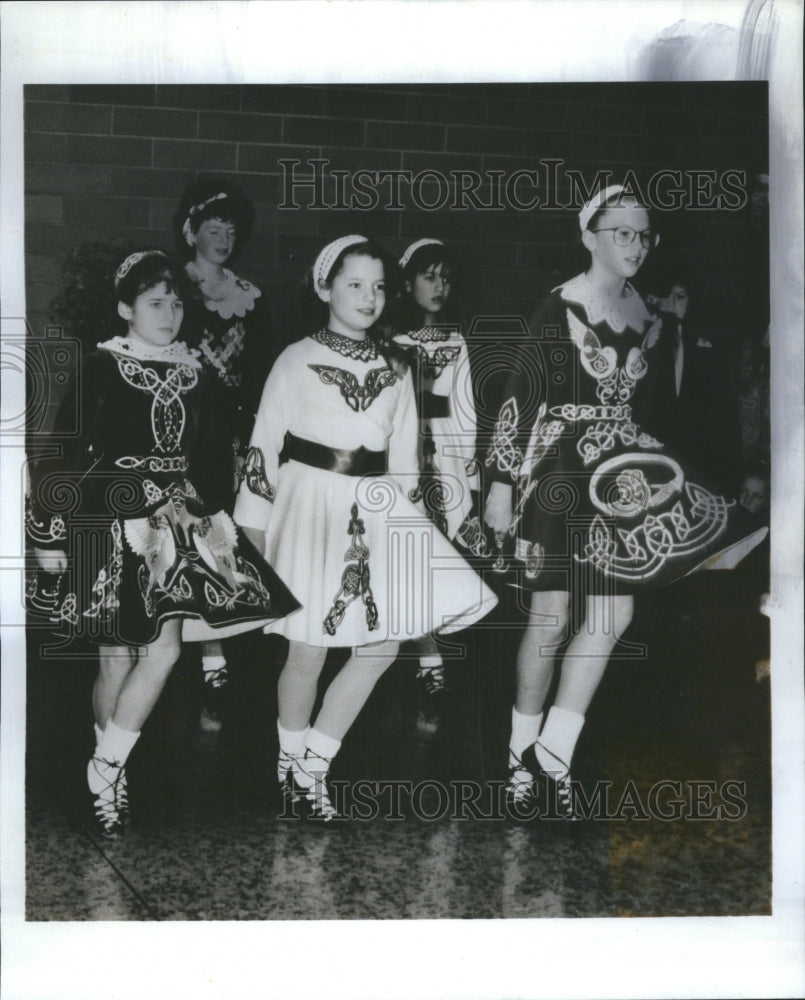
(439, 361)
(153, 557)
(325, 495)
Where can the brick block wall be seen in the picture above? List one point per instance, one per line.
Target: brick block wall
(104, 161)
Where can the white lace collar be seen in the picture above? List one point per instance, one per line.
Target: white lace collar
(630, 310)
(233, 296)
(177, 352)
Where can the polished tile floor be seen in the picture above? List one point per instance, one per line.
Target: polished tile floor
(681, 726)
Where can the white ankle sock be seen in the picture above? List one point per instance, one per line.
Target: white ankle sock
(558, 739)
(292, 746)
(209, 664)
(110, 756)
(428, 663)
(315, 764)
(525, 730)
(98, 733)
(292, 741)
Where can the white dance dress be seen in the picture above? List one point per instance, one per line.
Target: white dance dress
(446, 409)
(332, 461)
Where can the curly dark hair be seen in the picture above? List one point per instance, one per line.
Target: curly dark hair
(87, 307)
(203, 200)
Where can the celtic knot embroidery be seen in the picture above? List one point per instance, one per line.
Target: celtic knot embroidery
(587, 411)
(502, 451)
(254, 472)
(222, 356)
(354, 580)
(106, 586)
(358, 397)
(43, 532)
(640, 553)
(167, 408)
(153, 463)
(472, 536)
(615, 385)
(604, 435)
(432, 365)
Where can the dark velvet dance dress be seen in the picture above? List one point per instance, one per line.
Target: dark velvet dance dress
(135, 496)
(599, 505)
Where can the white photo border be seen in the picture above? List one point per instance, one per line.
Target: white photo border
(433, 41)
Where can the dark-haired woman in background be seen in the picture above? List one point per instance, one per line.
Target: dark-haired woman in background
(227, 321)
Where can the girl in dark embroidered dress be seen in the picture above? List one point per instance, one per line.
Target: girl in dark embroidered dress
(439, 361)
(227, 322)
(601, 508)
(332, 459)
(153, 556)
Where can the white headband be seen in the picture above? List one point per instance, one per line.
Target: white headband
(327, 257)
(186, 228)
(131, 260)
(596, 202)
(409, 253)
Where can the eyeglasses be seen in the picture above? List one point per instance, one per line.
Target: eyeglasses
(623, 236)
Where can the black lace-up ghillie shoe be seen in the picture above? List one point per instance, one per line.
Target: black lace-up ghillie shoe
(520, 791)
(110, 805)
(557, 796)
(315, 796)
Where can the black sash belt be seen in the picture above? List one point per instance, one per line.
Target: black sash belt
(431, 405)
(360, 462)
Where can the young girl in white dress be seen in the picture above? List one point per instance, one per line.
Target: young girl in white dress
(332, 462)
(439, 361)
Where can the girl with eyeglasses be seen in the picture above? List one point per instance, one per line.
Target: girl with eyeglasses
(595, 507)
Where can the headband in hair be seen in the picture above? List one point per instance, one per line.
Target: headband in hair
(597, 202)
(186, 230)
(327, 258)
(131, 260)
(409, 253)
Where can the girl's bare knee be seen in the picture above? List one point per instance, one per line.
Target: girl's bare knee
(548, 617)
(163, 653)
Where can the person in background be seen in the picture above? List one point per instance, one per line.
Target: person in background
(227, 322)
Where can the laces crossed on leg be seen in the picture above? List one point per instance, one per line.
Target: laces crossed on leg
(111, 801)
(560, 779)
(519, 784)
(433, 680)
(286, 764)
(313, 770)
